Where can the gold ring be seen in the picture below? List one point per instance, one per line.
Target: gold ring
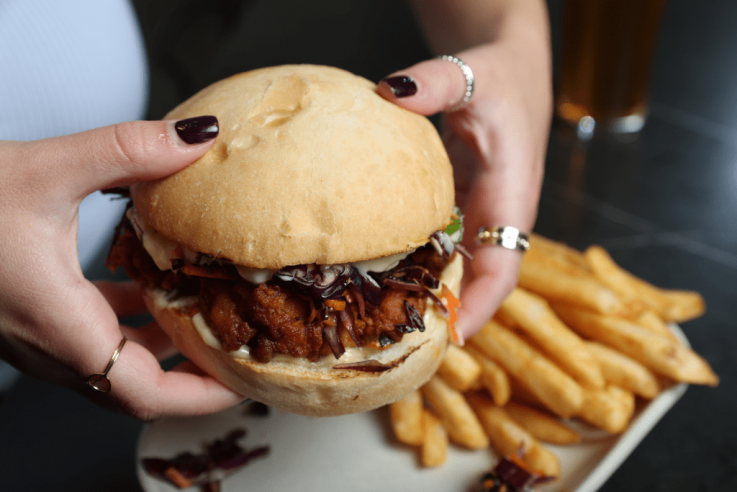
(504, 236)
(100, 382)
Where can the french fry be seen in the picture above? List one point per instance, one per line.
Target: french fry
(509, 438)
(434, 448)
(553, 260)
(625, 372)
(535, 318)
(631, 309)
(610, 409)
(556, 389)
(477, 385)
(492, 378)
(650, 320)
(541, 277)
(610, 273)
(457, 417)
(684, 305)
(660, 354)
(459, 369)
(579, 337)
(558, 251)
(505, 319)
(521, 394)
(542, 425)
(671, 305)
(406, 419)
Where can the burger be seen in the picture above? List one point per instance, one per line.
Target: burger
(309, 259)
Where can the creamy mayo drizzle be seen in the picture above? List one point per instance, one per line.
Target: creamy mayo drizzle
(161, 251)
(159, 248)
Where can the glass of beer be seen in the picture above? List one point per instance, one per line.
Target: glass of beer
(607, 52)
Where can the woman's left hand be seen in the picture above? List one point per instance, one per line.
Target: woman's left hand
(497, 145)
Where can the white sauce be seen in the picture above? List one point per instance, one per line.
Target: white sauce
(159, 248)
(206, 333)
(255, 275)
(380, 264)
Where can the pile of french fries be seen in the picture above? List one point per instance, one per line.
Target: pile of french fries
(579, 338)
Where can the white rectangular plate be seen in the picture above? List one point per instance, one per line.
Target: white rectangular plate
(359, 453)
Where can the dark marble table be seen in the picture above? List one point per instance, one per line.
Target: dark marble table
(663, 203)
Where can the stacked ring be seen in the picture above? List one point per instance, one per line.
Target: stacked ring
(504, 236)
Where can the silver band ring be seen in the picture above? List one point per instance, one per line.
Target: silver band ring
(100, 382)
(467, 73)
(504, 236)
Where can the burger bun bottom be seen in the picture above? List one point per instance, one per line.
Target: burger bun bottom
(315, 389)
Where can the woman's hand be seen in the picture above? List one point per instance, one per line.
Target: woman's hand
(54, 324)
(497, 142)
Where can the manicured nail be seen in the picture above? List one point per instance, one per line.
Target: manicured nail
(401, 85)
(198, 129)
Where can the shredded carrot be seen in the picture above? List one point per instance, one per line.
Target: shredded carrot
(177, 478)
(348, 296)
(452, 303)
(336, 304)
(313, 312)
(200, 271)
(517, 460)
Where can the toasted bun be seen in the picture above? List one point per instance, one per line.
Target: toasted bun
(315, 389)
(311, 166)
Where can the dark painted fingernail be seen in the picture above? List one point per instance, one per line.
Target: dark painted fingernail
(401, 85)
(198, 129)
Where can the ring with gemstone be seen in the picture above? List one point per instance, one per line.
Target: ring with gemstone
(504, 236)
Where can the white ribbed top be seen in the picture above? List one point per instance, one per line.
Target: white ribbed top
(68, 66)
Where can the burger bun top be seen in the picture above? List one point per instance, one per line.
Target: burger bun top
(311, 165)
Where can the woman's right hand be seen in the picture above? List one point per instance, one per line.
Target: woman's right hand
(56, 325)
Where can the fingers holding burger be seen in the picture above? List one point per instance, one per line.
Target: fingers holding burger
(308, 259)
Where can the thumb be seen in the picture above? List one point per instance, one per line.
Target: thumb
(121, 154)
(427, 88)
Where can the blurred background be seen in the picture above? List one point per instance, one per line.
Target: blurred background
(661, 200)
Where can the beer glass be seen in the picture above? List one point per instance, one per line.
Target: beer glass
(607, 52)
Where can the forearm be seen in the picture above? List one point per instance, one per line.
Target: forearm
(451, 26)
(504, 41)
